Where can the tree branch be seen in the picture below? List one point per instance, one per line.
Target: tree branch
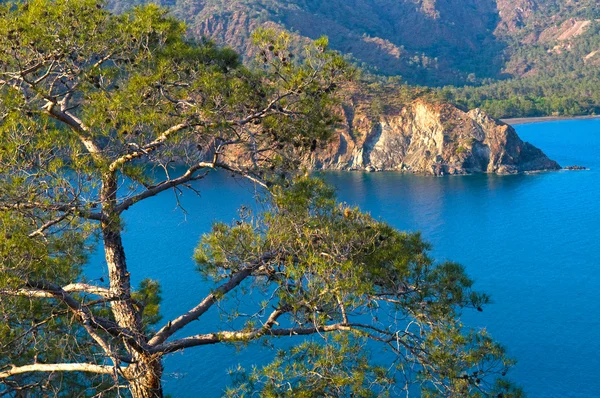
(77, 126)
(158, 142)
(242, 173)
(71, 288)
(40, 231)
(42, 288)
(189, 175)
(115, 165)
(267, 330)
(58, 367)
(67, 208)
(179, 323)
(87, 288)
(262, 112)
(230, 337)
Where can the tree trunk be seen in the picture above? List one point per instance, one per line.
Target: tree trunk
(126, 314)
(145, 378)
(144, 374)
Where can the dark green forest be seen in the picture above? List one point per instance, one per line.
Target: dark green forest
(564, 84)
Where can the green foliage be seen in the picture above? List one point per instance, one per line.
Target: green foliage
(91, 104)
(148, 298)
(337, 366)
(507, 72)
(563, 94)
(325, 265)
(41, 330)
(560, 79)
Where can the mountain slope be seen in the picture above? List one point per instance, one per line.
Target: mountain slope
(510, 57)
(425, 41)
(429, 42)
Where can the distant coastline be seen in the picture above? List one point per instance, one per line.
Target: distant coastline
(529, 120)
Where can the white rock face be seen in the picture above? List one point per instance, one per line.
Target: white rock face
(429, 139)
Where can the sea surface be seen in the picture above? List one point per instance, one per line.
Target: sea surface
(531, 241)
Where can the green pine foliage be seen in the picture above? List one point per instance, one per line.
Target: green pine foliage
(92, 106)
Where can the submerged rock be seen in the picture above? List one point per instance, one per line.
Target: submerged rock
(427, 138)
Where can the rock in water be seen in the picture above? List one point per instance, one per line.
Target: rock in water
(428, 138)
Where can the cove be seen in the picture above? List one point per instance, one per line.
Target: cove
(530, 241)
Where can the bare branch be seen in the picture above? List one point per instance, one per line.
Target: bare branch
(46, 74)
(157, 143)
(87, 288)
(177, 324)
(230, 337)
(67, 208)
(342, 309)
(102, 60)
(40, 231)
(189, 175)
(240, 172)
(77, 126)
(58, 367)
(37, 293)
(32, 69)
(42, 288)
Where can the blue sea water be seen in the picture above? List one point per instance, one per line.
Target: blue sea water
(530, 241)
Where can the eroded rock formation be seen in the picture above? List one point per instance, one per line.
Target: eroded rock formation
(428, 138)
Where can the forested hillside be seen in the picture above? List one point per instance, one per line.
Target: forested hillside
(510, 57)
(552, 60)
(427, 42)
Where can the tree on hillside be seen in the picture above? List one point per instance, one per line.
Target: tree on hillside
(95, 108)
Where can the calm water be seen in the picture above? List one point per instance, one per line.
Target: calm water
(531, 241)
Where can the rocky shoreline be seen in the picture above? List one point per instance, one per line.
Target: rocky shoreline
(542, 119)
(427, 138)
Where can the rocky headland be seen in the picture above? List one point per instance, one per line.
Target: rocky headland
(427, 138)
(403, 129)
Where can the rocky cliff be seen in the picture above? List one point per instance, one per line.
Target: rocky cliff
(428, 138)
